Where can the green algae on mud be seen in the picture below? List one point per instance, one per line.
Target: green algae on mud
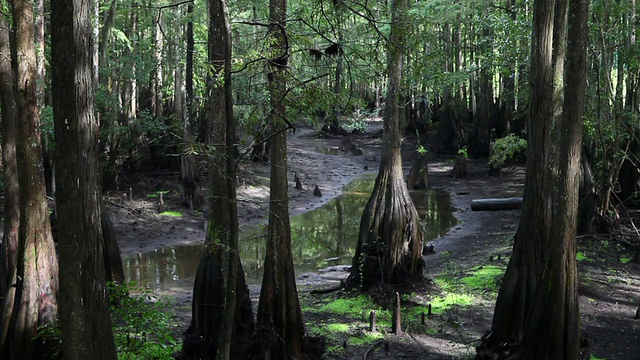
(484, 277)
(171, 213)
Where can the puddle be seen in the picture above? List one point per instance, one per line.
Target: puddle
(322, 237)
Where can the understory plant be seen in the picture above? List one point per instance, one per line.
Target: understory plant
(506, 148)
(142, 328)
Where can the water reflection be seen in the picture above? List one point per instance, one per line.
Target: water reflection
(323, 237)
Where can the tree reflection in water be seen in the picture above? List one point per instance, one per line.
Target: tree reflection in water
(322, 237)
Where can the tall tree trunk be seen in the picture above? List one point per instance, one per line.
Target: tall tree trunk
(484, 113)
(32, 300)
(9, 118)
(129, 83)
(508, 81)
(389, 246)
(222, 318)
(279, 318)
(156, 80)
(84, 308)
(537, 306)
(525, 267)
(191, 191)
(450, 135)
(189, 63)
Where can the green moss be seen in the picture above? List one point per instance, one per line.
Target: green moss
(441, 303)
(593, 357)
(342, 328)
(333, 331)
(365, 338)
(625, 260)
(356, 306)
(171, 213)
(484, 277)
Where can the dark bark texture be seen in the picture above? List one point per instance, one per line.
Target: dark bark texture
(32, 299)
(9, 118)
(84, 308)
(536, 314)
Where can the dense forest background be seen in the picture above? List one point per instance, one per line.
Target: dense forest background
(466, 75)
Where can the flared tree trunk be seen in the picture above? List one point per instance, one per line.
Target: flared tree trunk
(84, 305)
(389, 246)
(9, 118)
(279, 321)
(222, 317)
(536, 312)
(32, 299)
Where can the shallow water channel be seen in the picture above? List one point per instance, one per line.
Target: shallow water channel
(322, 237)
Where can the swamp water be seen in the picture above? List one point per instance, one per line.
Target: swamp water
(323, 237)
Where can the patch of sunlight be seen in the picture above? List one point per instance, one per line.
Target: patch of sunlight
(365, 338)
(593, 357)
(337, 327)
(171, 213)
(330, 330)
(354, 306)
(580, 256)
(484, 277)
(625, 260)
(440, 304)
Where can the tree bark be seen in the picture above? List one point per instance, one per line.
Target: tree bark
(279, 318)
(9, 118)
(84, 308)
(32, 300)
(537, 308)
(389, 249)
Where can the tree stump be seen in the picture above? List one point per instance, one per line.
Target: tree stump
(298, 182)
(460, 167)
(345, 143)
(355, 151)
(317, 192)
(419, 175)
(372, 321)
(397, 323)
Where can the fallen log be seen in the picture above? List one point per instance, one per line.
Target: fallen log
(514, 203)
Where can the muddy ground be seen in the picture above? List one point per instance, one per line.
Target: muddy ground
(609, 287)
